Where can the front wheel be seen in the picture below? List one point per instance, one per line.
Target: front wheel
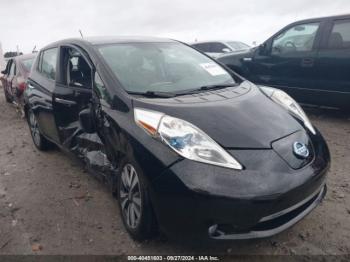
(134, 202)
(40, 142)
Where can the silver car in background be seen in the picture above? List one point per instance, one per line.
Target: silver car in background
(218, 48)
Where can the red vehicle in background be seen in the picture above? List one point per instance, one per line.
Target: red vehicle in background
(14, 78)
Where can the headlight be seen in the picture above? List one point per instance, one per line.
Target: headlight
(184, 138)
(289, 103)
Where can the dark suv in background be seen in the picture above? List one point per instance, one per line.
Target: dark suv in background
(309, 59)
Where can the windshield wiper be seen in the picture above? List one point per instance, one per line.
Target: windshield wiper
(206, 88)
(160, 94)
(154, 94)
(212, 87)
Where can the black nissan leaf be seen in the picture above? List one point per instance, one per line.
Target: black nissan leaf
(186, 145)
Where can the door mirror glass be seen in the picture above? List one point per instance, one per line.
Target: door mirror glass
(262, 49)
(86, 121)
(226, 50)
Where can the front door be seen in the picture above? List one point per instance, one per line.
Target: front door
(44, 71)
(289, 60)
(72, 93)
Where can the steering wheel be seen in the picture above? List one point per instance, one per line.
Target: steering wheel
(290, 45)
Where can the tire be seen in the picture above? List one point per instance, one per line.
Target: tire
(39, 140)
(134, 203)
(7, 96)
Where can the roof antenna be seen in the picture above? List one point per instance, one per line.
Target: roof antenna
(81, 34)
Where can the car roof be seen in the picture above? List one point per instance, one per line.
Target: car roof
(101, 40)
(344, 16)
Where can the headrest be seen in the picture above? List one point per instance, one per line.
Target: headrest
(336, 40)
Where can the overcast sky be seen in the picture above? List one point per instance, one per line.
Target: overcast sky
(28, 23)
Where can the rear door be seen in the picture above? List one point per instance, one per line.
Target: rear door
(42, 84)
(333, 64)
(73, 92)
(289, 60)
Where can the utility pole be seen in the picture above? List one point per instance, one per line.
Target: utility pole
(81, 34)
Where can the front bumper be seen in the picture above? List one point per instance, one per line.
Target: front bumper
(274, 223)
(265, 198)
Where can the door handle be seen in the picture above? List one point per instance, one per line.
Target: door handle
(307, 62)
(65, 102)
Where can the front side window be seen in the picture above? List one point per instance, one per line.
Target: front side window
(48, 63)
(299, 38)
(166, 67)
(340, 35)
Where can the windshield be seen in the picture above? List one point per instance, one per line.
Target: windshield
(162, 67)
(28, 63)
(238, 46)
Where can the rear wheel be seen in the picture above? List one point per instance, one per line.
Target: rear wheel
(134, 203)
(40, 142)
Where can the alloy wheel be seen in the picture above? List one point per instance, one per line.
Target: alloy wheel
(34, 129)
(130, 196)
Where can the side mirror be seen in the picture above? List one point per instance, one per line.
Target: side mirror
(262, 49)
(86, 121)
(226, 50)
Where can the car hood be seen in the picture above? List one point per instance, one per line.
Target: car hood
(235, 117)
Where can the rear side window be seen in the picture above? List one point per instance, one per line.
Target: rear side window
(47, 64)
(218, 47)
(340, 35)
